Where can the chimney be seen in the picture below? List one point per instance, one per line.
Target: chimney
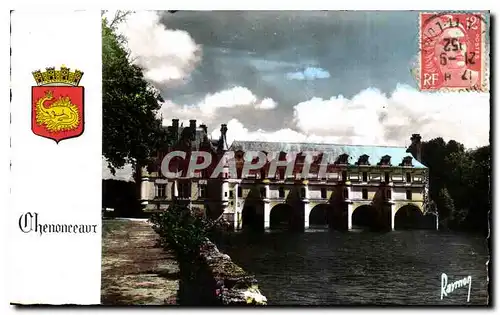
(416, 146)
(192, 123)
(204, 127)
(222, 145)
(223, 130)
(175, 129)
(192, 126)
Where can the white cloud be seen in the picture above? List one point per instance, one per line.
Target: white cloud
(372, 117)
(237, 96)
(237, 131)
(267, 103)
(168, 56)
(206, 108)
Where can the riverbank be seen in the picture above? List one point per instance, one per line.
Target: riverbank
(135, 270)
(217, 280)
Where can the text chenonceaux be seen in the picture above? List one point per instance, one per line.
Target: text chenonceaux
(447, 288)
(303, 164)
(28, 222)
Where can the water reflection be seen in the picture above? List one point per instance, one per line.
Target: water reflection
(327, 267)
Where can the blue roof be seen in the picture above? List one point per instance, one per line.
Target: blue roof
(375, 153)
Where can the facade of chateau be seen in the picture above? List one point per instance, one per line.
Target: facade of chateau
(365, 185)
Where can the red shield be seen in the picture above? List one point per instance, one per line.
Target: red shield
(57, 112)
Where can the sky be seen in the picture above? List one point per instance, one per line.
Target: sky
(320, 76)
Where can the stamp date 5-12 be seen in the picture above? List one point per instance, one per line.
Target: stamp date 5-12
(452, 52)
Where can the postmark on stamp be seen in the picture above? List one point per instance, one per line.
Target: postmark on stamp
(452, 52)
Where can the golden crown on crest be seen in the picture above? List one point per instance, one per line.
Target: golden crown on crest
(53, 76)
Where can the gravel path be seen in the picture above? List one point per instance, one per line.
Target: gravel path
(134, 271)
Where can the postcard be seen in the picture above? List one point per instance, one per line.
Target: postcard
(250, 158)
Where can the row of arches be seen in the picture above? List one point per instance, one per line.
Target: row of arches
(285, 216)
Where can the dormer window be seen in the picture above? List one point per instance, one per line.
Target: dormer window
(385, 160)
(363, 160)
(316, 162)
(342, 159)
(318, 159)
(301, 158)
(282, 156)
(407, 161)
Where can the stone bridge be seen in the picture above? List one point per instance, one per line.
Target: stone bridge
(346, 215)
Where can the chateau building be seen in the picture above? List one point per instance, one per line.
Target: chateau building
(378, 186)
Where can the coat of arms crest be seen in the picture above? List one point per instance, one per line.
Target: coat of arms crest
(57, 104)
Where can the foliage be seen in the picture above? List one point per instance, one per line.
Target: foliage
(131, 130)
(459, 183)
(182, 230)
(445, 203)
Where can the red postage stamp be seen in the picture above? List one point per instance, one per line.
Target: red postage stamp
(453, 52)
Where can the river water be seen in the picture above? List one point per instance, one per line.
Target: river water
(322, 267)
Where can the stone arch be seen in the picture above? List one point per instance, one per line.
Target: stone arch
(408, 216)
(252, 217)
(281, 216)
(321, 215)
(365, 216)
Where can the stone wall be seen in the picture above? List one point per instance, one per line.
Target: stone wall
(222, 282)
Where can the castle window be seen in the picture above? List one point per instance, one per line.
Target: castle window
(240, 191)
(408, 177)
(342, 159)
(387, 177)
(408, 195)
(385, 160)
(363, 160)
(184, 190)
(302, 192)
(344, 176)
(160, 190)
(345, 192)
(323, 193)
(300, 158)
(202, 190)
(230, 194)
(407, 161)
(263, 192)
(225, 194)
(365, 193)
(281, 192)
(365, 176)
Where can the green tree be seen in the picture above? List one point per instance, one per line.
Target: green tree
(131, 130)
(459, 183)
(445, 203)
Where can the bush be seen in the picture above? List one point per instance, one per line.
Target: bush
(180, 230)
(183, 230)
